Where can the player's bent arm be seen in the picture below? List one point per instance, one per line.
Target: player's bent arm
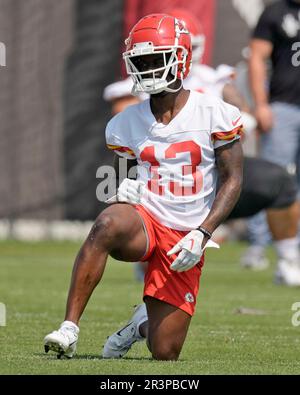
(229, 161)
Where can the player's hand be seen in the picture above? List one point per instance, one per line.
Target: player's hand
(264, 117)
(130, 191)
(192, 248)
(249, 123)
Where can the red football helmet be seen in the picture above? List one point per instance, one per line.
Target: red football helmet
(158, 34)
(195, 28)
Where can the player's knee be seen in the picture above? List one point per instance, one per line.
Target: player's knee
(286, 193)
(105, 228)
(166, 352)
(149, 345)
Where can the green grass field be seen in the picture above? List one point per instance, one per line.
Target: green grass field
(34, 278)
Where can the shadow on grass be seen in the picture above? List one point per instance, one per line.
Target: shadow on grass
(90, 357)
(85, 356)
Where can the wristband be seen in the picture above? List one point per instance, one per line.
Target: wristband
(205, 232)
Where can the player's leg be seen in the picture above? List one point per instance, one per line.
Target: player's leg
(163, 325)
(282, 148)
(269, 186)
(282, 151)
(255, 196)
(259, 237)
(253, 199)
(283, 219)
(121, 341)
(283, 222)
(167, 329)
(170, 298)
(118, 231)
(284, 226)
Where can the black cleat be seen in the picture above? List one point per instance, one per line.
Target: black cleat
(46, 349)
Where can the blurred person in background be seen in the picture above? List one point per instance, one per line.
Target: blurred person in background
(277, 109)
(118, 94)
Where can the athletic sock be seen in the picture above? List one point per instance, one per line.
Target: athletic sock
(70, 324)
(287, 248)
(139, 335)
(256, 250)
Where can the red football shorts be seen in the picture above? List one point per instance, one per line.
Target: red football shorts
(162, 283)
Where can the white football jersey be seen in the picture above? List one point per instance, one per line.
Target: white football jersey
(176, 161)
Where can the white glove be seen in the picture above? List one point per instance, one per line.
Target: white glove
(191, 246)
(130, 191)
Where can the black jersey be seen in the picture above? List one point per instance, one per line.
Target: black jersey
(280, 24)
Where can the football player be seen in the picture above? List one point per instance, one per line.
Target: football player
(183, 141)
(265, 186)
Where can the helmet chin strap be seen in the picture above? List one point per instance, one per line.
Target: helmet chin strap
(136, 92)
(168, 89)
